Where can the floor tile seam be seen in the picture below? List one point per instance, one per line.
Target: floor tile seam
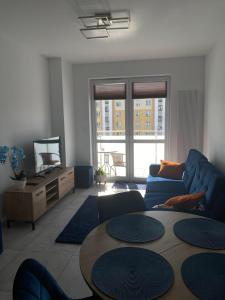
(10, 261)
(66, 264)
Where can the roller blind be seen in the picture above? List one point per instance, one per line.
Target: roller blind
(142, 90)
(109, 91)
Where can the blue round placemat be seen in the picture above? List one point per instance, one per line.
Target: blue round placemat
(133, 274)
(204, 275)
(135, 228)
(201, 232)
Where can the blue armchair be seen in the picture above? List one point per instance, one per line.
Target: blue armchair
(34, 282)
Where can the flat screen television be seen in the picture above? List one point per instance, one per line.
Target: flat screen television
(47, 154)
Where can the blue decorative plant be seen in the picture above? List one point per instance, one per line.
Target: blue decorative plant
(15, 156)
(3, 154)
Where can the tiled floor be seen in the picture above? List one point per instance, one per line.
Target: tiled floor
(62, 260)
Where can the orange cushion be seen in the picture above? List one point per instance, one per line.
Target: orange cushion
(169, 163)
(184, 201)
(171, 170)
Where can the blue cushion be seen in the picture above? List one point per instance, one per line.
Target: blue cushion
(162, 185)
(194, 157)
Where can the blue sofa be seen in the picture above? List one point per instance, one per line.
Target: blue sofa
(199, 176)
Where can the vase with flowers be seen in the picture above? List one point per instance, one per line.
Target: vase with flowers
(15, 156)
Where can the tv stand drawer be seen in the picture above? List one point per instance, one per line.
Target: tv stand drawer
(39, 203)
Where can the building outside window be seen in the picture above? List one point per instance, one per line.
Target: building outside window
(147, 124)
(137, 104)
(148, 102)
(160, 118)
(118, 124)
(160, 107)
(118, 103)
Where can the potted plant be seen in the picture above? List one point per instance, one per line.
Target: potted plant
(100, 175)
(15, 156)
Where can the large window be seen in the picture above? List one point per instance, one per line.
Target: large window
(129, 125)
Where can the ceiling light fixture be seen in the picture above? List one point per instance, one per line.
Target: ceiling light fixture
(99, 25)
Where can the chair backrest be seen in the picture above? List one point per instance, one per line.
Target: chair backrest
(118, 159)
(118, 204)
(33, 281)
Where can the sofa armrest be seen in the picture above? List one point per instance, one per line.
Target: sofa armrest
(154, 169)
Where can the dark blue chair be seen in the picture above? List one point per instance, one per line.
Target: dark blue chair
(34, 282)
(111, 206)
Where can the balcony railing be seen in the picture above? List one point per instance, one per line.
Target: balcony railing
(138, 132)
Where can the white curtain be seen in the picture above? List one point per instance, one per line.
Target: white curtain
(190, 122)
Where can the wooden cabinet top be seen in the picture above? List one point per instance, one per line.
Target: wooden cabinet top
(35, 183)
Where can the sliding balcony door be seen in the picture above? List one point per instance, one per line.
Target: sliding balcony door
(129, 125)
(149, 120)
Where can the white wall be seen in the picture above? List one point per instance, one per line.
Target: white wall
(214, 126)
(186, 74)
(69, 115)
(56, 99)
(62, 107)
(24, 100)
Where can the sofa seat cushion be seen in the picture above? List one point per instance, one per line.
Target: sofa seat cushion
(165, 185)
(155, 198)
(187, 201)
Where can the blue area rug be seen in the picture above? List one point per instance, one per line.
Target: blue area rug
(129, 186)
(85, 219)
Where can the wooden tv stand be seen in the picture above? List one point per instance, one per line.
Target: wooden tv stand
(38, 196)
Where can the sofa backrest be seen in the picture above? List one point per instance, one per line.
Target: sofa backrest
(191, 164)
(210, 180)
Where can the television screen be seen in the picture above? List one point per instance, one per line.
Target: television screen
(47, 154)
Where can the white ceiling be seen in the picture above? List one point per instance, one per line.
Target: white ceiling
(158, 29)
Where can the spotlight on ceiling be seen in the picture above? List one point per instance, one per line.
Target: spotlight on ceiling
(100, 25)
